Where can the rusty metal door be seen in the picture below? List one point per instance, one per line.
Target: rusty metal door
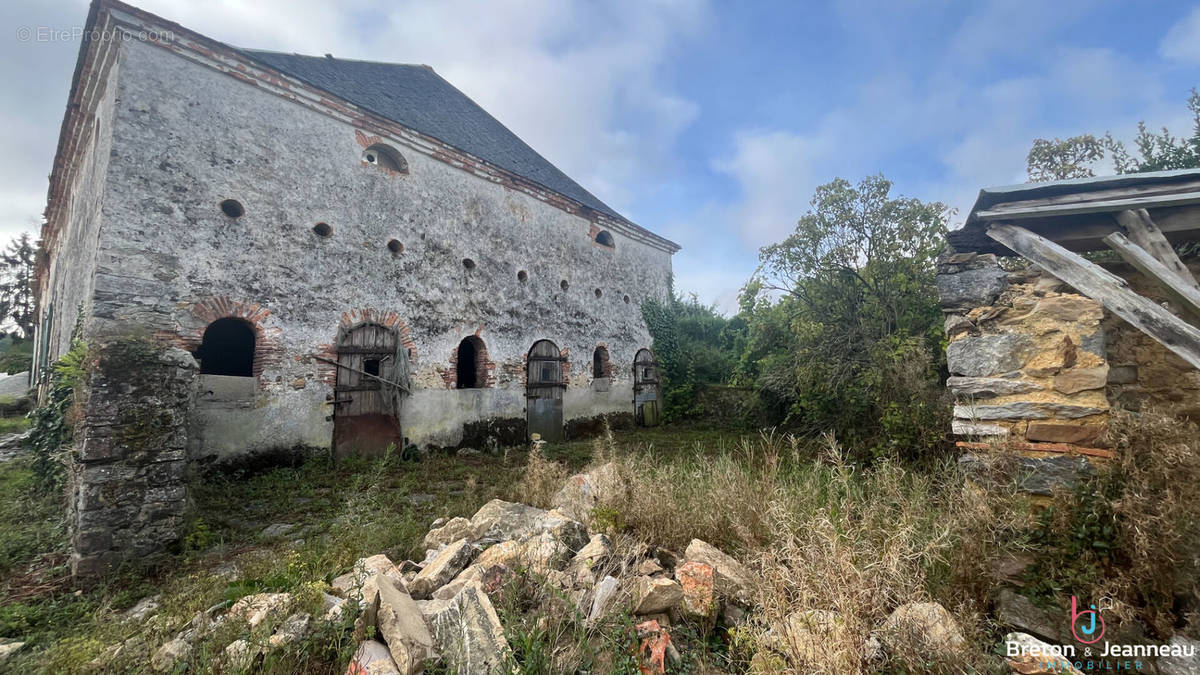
(646, 404)
(544, 388)
(367, 411)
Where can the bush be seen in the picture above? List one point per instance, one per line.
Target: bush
(53, 424)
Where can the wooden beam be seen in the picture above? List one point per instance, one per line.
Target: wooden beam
(1185, 296)
(1088, 278)
(1042, 211)
(1145, 233)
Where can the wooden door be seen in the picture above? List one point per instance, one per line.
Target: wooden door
(367, 411)
(544, 388)
(646, 405)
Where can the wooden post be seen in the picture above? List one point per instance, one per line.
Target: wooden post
(1143, 232)
(1186, 296)
(1088, 278)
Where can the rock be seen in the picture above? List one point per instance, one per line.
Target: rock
(595, 554)
(239, 655)
(499, 520)
(1018, 612)
(170, 654)
(293, 629)
(606, 591)
(1028, 655)
(922, 625)
(403, 628)
(453, 530)
(1186, 661)
(507, 553)
(468, 633)
(582, 492)
(544, 553)
(989, 386)
(699, 594)
(254, 609)
(872, 650)
(333, 607)
(1075, 380)
(653, 642)
(732, 615)
(442, 569)
(372, 658)
(1010, 567)
(988, 355)
(731, 578)
(649, 567)
(965, 428)
(1025, 410)
(1035, 475)
(277, 530)
(970, 288)
(466, 452)
(653, 595)
(358, 582)
(1070, 308)
(1122, 374)
(957, 323)
(8, 647)
(491, 578)
(1064, 433)
(143, 609)
(814, 637)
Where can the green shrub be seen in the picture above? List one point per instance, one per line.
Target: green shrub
(52, 423)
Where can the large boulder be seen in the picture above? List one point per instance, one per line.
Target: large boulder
(499, 521)
(582, 493)
(403, 628)
(359, 583)
(467, 632)
(730, 577)
(923, 626)
(442, 569)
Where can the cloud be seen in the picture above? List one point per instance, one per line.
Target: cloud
(580, 82)
(1182, 41)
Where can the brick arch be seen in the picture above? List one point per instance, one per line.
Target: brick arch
(268, 351)
(327, 372)
(486, 366)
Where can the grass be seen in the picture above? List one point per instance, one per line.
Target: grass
(818, 532)
(13, 425)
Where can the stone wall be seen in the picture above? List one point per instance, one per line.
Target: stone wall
(1037, 368)
(128, 489)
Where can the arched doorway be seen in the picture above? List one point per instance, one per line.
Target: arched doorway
(227, 348)
(372, 381)
(544, 391)
(646, 404)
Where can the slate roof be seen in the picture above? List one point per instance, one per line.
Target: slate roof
(418, 98)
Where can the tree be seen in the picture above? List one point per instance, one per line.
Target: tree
(1074, 157)
(853, 343)
(16, 283)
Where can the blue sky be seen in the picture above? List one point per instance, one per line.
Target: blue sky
(710, 123)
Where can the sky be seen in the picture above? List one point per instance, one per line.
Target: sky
(710, 123)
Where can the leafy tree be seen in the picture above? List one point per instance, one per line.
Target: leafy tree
(694, 346)
(16, 282)
(844, 325)
(1074, 157)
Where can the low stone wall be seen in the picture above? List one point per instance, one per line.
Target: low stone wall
(128, 489)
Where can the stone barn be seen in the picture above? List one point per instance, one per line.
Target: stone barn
(267, 252)
(1067, 300)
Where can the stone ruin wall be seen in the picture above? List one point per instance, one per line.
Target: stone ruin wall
(1039, 368)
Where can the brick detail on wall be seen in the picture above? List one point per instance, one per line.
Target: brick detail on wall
(606, 365)
(485, 367)
(268, 348)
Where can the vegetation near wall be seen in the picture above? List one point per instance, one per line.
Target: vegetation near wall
(839, 330)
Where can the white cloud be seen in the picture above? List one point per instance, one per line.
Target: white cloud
(580, 82)
(1182, 41)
